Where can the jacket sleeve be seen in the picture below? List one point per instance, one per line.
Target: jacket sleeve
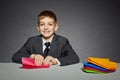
(68, 56)
(23, 52)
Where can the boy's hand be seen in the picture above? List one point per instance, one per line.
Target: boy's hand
(38, 59)
(50, 60)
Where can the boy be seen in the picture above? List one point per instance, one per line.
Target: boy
(59, 50)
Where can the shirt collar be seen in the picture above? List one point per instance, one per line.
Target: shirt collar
(44, 41)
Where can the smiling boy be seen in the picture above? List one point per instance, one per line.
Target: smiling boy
(59, 52)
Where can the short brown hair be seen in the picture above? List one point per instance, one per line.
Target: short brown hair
(47, 13)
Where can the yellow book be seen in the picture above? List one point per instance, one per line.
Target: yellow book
(103, 62)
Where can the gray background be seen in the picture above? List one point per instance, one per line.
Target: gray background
(92, 26)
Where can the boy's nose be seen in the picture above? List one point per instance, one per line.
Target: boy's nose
(45, 27)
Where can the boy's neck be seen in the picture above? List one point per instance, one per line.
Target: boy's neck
(48, 39)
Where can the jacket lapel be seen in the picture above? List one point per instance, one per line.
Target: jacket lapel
(53, 46)
(40, 45)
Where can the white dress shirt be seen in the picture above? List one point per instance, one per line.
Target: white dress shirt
(43, 44)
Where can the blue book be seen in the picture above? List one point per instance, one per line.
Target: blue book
(94, 66)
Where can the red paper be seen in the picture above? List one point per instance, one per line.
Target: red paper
(29, 63)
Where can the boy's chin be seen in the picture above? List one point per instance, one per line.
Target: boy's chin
(47, 37)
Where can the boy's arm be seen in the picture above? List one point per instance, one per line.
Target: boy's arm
(69, 56)
(23, 52)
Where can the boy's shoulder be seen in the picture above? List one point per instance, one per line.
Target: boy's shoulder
(60, 37)
(34, 37)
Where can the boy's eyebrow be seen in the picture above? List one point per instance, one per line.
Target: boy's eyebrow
(48, 22)
(41, 22)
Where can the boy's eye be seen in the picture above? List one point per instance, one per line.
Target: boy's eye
(50, 24)
(41, 24)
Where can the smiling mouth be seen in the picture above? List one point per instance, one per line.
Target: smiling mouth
(46, 31)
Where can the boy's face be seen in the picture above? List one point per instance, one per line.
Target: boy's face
(47, 27)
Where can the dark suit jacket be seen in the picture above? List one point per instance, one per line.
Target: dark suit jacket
(60, 48)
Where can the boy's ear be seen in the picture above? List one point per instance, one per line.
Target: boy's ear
(56, 27)
(37, 28)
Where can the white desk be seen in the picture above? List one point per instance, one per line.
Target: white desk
(11, 71)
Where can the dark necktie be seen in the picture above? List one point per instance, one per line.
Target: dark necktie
(47, 44)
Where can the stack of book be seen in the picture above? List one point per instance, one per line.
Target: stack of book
(99, 65)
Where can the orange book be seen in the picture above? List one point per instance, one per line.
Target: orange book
(103, 62)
